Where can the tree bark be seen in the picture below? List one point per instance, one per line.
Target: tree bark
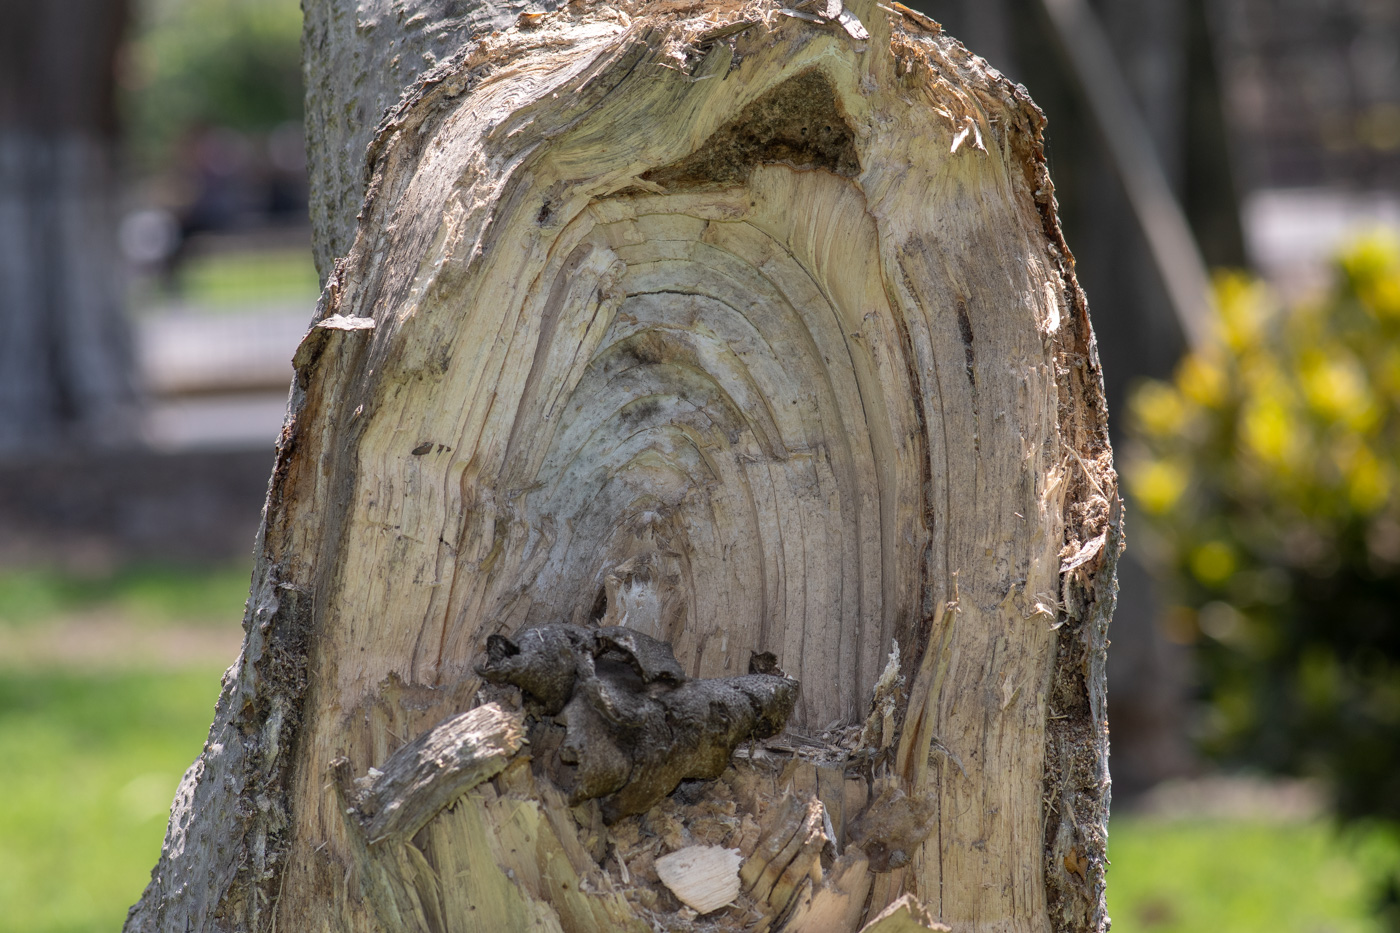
(1165, 51)
(682, 353)
(360, 58)
(65, 358)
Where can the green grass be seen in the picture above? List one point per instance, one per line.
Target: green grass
(91, 765)
(1239, 877)
(231, 282)
(157, 595)
(242, 279)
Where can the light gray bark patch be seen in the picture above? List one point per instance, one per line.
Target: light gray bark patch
(359, 59)
(1077, 786)
(225, 844)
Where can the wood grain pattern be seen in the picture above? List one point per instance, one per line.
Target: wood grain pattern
(756, 340)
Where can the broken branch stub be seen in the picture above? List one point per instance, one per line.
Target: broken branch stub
(761, 343)
(416, 782)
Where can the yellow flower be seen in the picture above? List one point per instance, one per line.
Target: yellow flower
(1367, 479)
(1213, 563)
(1383, 298)
(1158, 484)
(1158, 409)
(1372, 267)
(1388, 375)
(1269, 432)
(1335, 387)
(1243, 305)
(1371, 257)
(1202, 381)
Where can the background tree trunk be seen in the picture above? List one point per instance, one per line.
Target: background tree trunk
(747, 330)
(65, 360)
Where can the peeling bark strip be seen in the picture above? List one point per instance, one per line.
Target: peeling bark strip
(741, 331)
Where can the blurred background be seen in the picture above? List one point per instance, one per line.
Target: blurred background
(1228, 173)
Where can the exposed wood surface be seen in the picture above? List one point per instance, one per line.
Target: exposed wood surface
(752, 332)
(703, 878)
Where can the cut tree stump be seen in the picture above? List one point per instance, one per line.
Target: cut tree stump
(683, 352)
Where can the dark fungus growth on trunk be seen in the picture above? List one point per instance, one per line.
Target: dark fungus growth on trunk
(634, 726)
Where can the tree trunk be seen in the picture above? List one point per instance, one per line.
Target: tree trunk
(1165, 52)
(65, 360)
(682, 354)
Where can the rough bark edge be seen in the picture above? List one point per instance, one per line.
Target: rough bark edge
(250, 748)
(1078, 788)
(238, 787)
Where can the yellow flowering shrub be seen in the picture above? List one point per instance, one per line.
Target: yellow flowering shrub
(1267, 473)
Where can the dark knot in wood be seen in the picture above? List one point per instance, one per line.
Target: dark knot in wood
(634, 725)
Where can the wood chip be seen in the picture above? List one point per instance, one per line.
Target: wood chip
(340, 322)
(853, 26)
(433, 770)
(704, 878)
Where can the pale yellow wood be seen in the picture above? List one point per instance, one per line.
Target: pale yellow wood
(837, 396)
(839, 902)
(703, 878)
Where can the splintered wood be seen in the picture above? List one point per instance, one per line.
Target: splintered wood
(749, 331)
(463, 801)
